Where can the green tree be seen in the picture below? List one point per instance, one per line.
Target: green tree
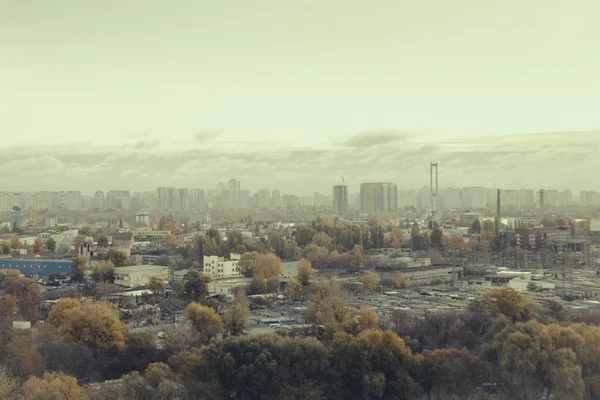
(260, 367)
(304, 235)
(102, 241)
(195, 285)
(375, 365)
(451, 371)
(51, 245)
(476, 227)
(157, 286)
(437, 238)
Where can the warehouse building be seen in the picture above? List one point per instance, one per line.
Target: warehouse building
(138, 275)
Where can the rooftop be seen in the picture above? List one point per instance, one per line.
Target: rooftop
(133, 268)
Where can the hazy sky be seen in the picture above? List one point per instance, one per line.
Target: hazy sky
(287, 94)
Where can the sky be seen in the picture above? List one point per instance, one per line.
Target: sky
(292, 95)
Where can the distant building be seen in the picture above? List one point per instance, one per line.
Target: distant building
(50, 222)
(219, 267)
(138, 275)
(143, 218)
(340, 199)
(378, 197)
(15, 216)
(526, 237)
(122, 240)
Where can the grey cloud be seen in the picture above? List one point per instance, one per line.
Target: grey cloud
(207, 135)
(375, 138)
(508, 162)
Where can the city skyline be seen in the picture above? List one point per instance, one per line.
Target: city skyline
(373, 197)
(508, 162)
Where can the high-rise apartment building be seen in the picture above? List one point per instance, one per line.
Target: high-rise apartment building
(197, 201)
(163, 198)
(378, 197)
(173, 196)
(184, 199)
(340, 199)
(98, 202)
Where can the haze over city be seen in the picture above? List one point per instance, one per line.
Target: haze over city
(293, 96)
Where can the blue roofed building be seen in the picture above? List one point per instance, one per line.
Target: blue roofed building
(37, 266)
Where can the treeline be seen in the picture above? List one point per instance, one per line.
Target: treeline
(503, 347)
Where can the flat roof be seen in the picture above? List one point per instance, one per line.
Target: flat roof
(132, 268)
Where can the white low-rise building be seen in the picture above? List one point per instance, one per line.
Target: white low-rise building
(138, 275)
(219, 267)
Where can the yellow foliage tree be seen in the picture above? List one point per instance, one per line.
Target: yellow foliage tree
(370, 281)
(204, 320)
(367, 319)
(94, 325)
(305, 271)
(55, 386)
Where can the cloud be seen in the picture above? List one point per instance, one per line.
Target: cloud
(375, 138)
(207, 135)
(557, 160)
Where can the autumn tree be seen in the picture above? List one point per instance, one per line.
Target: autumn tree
(370, 281)
(415, 231)
(9, 386)
(236, 316)
(322, 239)
(367, 319)
(94, 325)
(396, 238)
(117, 257)
(38, 246)
(27, 293)
(157, 286)
(305, 271)
(104, 272)
(204, 320)
(267, 267)
(504, 301)
(53, 385)
(78, 266)
(328, 306)
(540, 360)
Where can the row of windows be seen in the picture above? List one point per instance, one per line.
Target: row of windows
(25, 266)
